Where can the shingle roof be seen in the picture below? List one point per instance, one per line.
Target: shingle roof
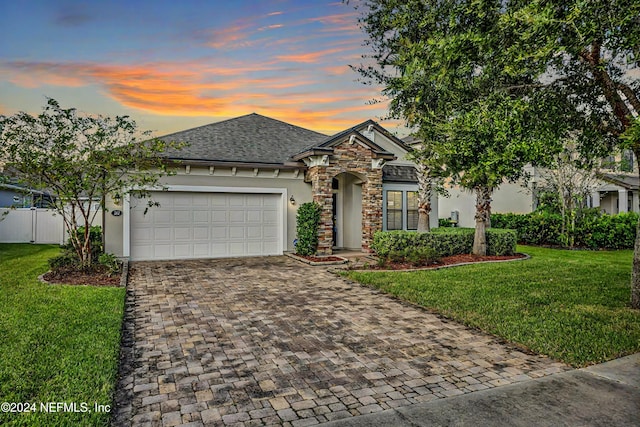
(247, 139)
(628, 181)
(399, 173)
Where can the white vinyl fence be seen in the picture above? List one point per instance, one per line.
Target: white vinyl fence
(34, 225)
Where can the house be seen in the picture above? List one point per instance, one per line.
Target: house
(618, 192)
(613, 193)
(238, 184)
(16, 196)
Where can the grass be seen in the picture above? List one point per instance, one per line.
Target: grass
(58, 343)
(570, 305)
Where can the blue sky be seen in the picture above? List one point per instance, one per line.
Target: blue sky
(172, 65)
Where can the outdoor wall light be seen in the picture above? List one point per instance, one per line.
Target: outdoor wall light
(292, 200)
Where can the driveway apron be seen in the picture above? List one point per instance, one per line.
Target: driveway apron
(271, 341)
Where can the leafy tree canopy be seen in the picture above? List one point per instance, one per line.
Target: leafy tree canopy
(80, 159)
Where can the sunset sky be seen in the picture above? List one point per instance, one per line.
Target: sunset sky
(173, 65)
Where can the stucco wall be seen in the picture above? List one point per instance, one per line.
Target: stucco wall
(508, 198)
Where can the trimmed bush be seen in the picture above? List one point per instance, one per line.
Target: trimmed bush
(501, 242)
(307, 221)
(443, 241)
(593, 229)
(416, 256)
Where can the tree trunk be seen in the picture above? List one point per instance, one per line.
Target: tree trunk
(635, 274)
(483, 210)
(425, 190)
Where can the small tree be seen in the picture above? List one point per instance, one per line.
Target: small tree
(486, 146)
(80, 159)
(572, 178)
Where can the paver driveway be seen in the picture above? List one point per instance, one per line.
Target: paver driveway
(261, 341)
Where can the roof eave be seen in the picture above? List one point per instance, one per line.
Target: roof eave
(230, 164)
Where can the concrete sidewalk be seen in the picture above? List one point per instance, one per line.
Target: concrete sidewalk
(601, 395)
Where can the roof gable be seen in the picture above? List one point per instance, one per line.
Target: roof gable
(364, 133)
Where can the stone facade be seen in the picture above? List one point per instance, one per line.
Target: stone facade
(355, 158)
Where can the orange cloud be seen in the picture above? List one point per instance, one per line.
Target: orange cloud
(311, 57)
(197, 89)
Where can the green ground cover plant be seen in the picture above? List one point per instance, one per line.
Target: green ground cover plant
(58, 343)
(570, 305)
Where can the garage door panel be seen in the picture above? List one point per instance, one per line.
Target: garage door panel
(200, 202)
(270, 233)
(160, 234)
(162, 251)
(236, 232)
(201, 217)
(206, 225)
(182, 199)
(182, 233)
(219, 233)
(237, 215)
(254, 216)
(182, 251)
(254, 232)
(201, 233)
(158, 216)
(182, 216)
(201, 250)
(237, 199)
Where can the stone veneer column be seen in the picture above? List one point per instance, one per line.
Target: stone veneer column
(371, 208)
(323, 196)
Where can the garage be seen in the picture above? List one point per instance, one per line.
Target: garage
(189, 225)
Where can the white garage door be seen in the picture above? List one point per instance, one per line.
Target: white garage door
(206, 225)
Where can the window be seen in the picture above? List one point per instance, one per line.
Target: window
(394, 210)
(412, 210)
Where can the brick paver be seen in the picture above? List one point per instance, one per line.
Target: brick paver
(271, 341)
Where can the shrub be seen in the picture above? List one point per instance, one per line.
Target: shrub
(592, 229)
(416, 256)
(501, 242)
(421, 256)
(445, 222)
(307, 221)
(443, 241)
(67, 260)
(110, 262)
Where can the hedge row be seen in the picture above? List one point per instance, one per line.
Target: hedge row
(593, 230)
(444, 241)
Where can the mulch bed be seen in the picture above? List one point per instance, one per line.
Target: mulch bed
(444, 261)
(96, 278)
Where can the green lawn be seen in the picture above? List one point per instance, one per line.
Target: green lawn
(570, 305)
(58, 343)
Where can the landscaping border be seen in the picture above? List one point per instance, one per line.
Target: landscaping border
(524, 258)
(317, 263)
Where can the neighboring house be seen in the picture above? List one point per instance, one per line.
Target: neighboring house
(15, 196)
(619, 192)
(616, 192)
(238, 184)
